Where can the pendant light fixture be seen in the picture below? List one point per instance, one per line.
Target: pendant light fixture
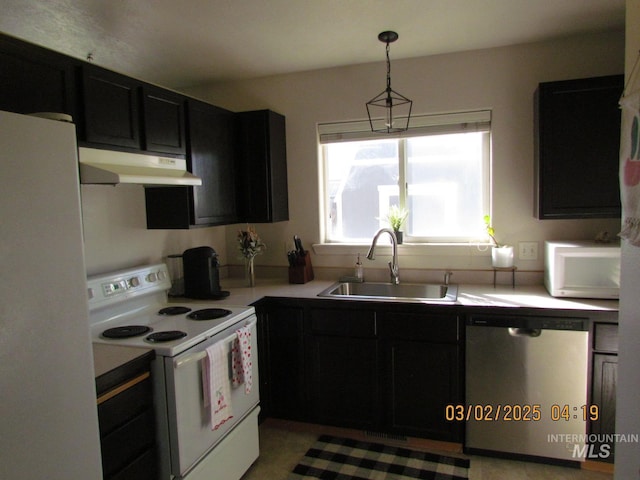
(389, 112)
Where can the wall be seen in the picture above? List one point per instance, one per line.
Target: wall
(503, 79)
(627, 419)
(115, 233)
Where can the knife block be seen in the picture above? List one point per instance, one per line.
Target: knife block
(302, 271)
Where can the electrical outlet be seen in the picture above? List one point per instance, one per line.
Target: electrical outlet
(528, 250)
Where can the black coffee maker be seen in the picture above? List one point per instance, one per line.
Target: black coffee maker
(201, 274)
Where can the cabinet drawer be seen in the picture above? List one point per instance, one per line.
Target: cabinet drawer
(122, 407)
(356, 323)
(431, 328)
(606, 337)
(142, 468)
(124, 444)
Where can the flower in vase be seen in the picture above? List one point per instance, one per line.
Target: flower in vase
(249, 243)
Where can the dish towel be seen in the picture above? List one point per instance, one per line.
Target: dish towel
(241, 361)
(215, 385)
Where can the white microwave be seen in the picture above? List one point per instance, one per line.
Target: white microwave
(582, 269)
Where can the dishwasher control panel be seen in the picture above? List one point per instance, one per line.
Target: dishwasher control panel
(523, 321)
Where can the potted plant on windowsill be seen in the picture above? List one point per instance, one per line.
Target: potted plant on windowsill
(396, 216)
(501, 255)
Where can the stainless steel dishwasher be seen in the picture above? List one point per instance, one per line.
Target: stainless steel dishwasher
(526, 386)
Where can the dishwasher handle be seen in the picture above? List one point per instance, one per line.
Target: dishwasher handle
(525, 332)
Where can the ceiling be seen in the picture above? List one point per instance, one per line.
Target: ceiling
(189, 42)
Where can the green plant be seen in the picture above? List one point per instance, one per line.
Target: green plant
(396, 217)
(490, 230)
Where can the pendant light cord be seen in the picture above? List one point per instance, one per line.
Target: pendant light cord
(388, 69)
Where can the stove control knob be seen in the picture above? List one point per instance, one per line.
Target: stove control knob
(161, 275)
(134, 281)
(152, 277)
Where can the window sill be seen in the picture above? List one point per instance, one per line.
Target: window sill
(406, 249)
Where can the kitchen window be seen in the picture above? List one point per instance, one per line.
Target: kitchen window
(438, 170)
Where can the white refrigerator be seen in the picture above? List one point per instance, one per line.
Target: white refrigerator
(48, 414)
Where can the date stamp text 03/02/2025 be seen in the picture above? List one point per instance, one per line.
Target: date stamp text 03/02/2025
(520, 413)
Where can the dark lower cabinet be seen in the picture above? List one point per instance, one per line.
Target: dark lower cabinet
(343, 381)
(281, 357)
(343, 369)
(603, 386)
(423, 379)
(127, 422)
(391, 368)
(424, 374)
(362, 366)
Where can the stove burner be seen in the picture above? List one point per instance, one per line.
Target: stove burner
(126, 331)
(208, 314)
(165, 336)
(177, 310)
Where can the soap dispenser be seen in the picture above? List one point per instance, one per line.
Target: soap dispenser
(359, 273)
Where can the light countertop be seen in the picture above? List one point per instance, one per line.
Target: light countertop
(532, 296)
(108, 357)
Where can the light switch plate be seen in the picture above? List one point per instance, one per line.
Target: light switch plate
(528, 250)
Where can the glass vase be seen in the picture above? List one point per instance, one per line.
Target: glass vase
(249, 272)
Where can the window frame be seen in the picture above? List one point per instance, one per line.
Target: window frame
(438, 124)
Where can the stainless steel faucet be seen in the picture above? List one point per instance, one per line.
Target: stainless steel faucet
(393, 264)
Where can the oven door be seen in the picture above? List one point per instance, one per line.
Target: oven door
(190, 434)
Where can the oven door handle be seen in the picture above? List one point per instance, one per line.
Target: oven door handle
(203, 354)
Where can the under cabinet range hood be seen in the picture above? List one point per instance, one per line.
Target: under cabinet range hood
(111, 167)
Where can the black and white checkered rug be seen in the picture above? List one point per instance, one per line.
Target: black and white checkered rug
(342, 459)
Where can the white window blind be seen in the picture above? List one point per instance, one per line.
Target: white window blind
(420, 125)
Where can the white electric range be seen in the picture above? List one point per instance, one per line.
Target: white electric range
(130, 308)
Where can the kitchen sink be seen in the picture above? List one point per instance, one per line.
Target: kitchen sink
(410, 292)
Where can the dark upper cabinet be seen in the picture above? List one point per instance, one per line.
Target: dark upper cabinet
(111, 108)
(34, 79)
(210, 156)
(577, 148)
(120, 111)
(163, 121)
(241, 158)
(262, 167)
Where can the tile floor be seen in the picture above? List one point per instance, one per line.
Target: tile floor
(282, 444)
